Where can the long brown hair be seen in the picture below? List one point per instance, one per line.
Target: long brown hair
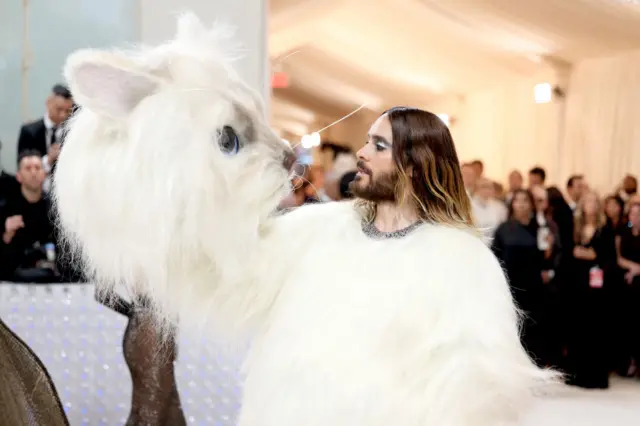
(428, 168)
(580, 219)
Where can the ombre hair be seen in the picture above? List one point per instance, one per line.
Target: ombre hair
(427, 167)
(580, 219)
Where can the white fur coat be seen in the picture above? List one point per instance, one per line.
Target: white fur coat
(416, 331)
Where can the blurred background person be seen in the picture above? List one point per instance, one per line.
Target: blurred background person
(619, 292)
(550, 318)
(515, 244)
(575, 187)
(614, 212)
(516, 182)
(44, 135)
(628, 188)
(469, 178)
(588, 359)
(28, 246)
(537, 177)
(628, 251)
(488, 211)
(478, 168)
(9, 186)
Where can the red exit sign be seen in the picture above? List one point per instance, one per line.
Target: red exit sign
(279, 80)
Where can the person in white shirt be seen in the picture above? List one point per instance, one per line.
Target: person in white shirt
(488, 212)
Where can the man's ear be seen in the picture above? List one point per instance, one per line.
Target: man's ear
(107, 83)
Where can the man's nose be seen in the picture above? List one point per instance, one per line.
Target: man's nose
(361, 154)
(289, 160)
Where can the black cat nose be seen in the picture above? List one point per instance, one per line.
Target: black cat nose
(289, 160)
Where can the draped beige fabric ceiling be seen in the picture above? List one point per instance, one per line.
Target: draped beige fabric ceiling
(386, 52)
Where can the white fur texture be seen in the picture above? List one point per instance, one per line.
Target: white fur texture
(144, 195)
(417, 331)
(348, 331)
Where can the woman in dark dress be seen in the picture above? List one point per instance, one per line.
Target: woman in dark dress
(628, 249)
(154, 400)
(515, 244)
(551, 314)
(588, 344)
(619, 291)
(562, 216)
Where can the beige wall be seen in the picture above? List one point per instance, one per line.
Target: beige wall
(505, 128)
(593, 131)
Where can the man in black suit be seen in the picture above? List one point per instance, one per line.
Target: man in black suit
(44, 135)
(26, 225)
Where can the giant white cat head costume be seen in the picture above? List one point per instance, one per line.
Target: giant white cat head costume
(164, 137)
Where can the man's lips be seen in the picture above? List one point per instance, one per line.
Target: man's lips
(362, 169)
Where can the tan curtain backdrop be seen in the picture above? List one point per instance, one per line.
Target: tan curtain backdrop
(504, 127)
(601, 136)
(594, 130)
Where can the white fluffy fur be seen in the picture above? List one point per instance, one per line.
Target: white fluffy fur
(348, 331)
(144, 195)
(416, 331)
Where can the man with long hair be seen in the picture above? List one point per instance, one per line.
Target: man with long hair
(408, 173)
(410, 192)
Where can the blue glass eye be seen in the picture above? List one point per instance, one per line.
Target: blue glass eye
(228, 141)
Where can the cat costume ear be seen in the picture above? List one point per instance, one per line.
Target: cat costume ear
(107, 83)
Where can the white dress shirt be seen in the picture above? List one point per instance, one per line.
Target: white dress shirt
(49, 125)
(488, 214)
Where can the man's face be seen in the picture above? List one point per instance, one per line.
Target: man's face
(468, 176)
(30, 174)
(58, 108)
(535, 180)
(540, 198)
(478, 169)
(377, 177)
(577, 189)
(515, 180)
(485, 189)
(630, 185)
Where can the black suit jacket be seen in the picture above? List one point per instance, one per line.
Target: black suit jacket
(9, 187)
(33, 136)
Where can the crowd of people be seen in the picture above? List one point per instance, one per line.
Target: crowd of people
(573, 264)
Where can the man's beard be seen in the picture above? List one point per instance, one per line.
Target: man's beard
(380, 189)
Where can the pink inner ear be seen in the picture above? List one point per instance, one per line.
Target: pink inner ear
(109, 90)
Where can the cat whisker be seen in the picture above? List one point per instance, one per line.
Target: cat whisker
(294, 146)
(341, 119)
(280, 59)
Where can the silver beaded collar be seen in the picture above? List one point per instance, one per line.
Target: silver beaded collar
(371, 231)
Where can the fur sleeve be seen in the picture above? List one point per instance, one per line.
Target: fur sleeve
(244, 306)
(470, 369)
